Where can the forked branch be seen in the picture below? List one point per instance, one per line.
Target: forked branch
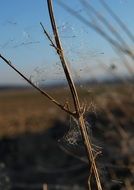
(79, 113)
(36, 87)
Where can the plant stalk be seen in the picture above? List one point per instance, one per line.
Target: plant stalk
(79, 114)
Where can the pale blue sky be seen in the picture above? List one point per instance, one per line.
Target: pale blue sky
(22, 40)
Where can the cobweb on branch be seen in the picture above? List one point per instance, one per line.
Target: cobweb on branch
(73, 136)
(72, 141)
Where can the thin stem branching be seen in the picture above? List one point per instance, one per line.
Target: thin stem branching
(35, 86)
(79, 113)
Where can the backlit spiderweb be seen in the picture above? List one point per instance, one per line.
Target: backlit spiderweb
(72, 142)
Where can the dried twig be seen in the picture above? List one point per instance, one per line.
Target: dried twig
(79, 114)
(36, 87)
(48, 36)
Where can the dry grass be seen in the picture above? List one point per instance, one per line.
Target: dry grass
(26, 111)
(116, 107)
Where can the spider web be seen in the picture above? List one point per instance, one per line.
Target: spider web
(72, 141)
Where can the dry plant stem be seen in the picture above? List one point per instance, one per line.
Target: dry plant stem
(103, 20)
(90, 153)
(48, 36)
(62, 59)
(113, 31)
(97, 29)
(118, 20)
(37, 88)
(79, 114)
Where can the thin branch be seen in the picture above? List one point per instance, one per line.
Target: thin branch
(118, 20)
(48, 36)
(37, 88)
(91, 170)
(97, 29)
(79, 114)
(88, 7)
(62, 58)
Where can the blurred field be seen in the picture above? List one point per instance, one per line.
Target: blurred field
(26, 119)
(27, 111)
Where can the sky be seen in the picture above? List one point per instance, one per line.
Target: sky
(23, 43)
